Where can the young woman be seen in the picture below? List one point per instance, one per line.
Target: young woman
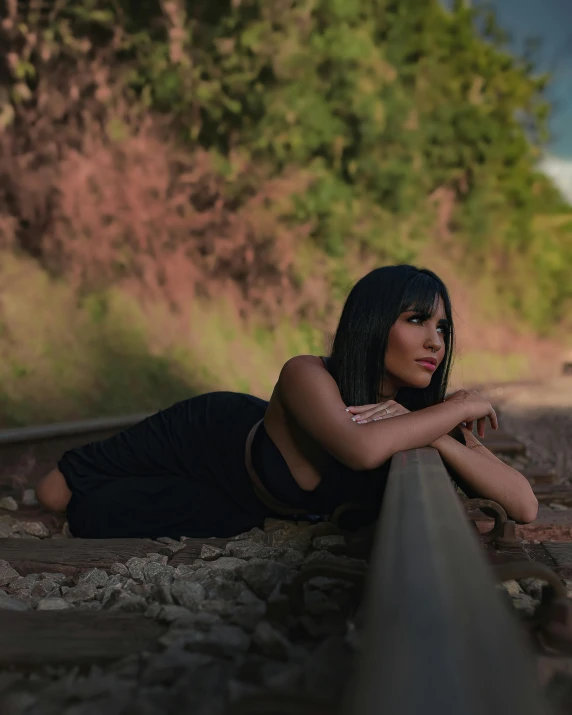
(219, 463)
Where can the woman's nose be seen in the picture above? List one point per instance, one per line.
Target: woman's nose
(434, 342)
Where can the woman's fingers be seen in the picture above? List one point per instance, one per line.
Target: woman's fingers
(360, 409)
(365, 412)
(481, 427)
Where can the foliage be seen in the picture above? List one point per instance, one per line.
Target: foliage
(400, 114)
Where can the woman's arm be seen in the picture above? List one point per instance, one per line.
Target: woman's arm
(311, 397)
(480, 473)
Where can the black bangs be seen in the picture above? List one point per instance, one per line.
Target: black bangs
(422, 294)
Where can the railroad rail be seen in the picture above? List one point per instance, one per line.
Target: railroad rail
(437, 636)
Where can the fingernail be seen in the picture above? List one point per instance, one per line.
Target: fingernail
(348, 409)
(354, 418)
(361, 422)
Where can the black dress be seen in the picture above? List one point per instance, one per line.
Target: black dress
(181, 472)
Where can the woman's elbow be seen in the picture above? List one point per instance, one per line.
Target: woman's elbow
(528, 511)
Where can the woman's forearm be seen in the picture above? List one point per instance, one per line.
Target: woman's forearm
(486, 475)
(381, 440)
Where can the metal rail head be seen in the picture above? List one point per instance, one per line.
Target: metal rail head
(40, 433)
(439, 638)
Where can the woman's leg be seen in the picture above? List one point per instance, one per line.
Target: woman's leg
(52, 492)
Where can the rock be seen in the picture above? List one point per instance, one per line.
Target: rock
(511, 587)
(263, 576)
(254, 534)
(217, 607)
(24, 582)
(287, 535)
(226, 590)
(7, 573)
(188, 593)
(334, 544)
(533, 587)
(558, 507)
(135, 567)
(271, 642)
(317, 603)
(8, 526)
(29, 497)
(161, 593)
(53, 604)
(324, 528)
(66, 533)
(81, 592)
(35, 528)
(247, 615)
(129, 604)
(168, 540)
(57, 578)
(290, 557)
(45, 589)
(524, 602)
(183, 570)
(9, 503)
(8, 603)
(94, 577)
(158, 558)
(119, 569)
(210, 553)
(158, 573)
(226, 563)
(249, 549)
(153, 611)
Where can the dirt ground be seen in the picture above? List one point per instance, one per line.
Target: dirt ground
(540, 415)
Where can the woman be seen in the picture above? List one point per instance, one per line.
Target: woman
(219, 463)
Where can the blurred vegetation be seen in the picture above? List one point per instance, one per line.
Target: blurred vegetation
(396, 106)
(414, 128)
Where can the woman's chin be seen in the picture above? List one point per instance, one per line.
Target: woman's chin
(418, 382)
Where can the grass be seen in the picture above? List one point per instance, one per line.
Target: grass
(64, 359)
(481, 366)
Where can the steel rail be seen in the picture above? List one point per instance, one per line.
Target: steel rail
(39, 433)
(438, 638)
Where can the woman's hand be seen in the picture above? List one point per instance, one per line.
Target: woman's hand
(373, 413)
(473, 407)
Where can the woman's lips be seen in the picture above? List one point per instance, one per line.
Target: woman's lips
(427, 365)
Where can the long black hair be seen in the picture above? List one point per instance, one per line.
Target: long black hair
(358, 351)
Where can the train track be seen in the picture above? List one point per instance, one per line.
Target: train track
(414, 607)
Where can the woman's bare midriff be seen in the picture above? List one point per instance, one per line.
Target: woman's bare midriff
(303, 455)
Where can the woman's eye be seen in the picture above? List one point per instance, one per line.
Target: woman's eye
(443, 328)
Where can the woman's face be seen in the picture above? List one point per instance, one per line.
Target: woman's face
(412, 338)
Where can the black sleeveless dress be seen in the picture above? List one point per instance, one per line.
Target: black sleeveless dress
(181, 472)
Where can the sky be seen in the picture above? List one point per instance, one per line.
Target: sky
(550, 21)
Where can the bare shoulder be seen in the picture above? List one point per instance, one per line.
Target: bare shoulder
(304, 360)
